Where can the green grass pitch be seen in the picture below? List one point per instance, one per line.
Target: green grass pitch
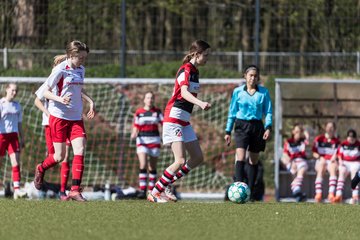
(131, 219)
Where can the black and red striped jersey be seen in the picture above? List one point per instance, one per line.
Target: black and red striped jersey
(147, 121)
(178, 110)
(349, 152)
(295, 149)
(325, 147)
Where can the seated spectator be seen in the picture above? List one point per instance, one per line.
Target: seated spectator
(294, 158)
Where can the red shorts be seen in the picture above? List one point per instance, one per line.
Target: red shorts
(9, 142)
(62, 129)
(49, 140)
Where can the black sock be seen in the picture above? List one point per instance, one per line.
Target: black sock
(253, 170)
(239, 171)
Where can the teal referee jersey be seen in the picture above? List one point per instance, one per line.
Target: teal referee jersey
(248, 107)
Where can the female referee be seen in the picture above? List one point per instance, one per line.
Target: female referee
(249, 103)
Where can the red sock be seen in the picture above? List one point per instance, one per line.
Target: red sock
(64, 175)
(77, 171)
(49, 162)
(16, 176)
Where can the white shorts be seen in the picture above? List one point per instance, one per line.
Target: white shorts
(351, 166)
(299, 163)
(173, 132)
(327, 164)
(153, 152)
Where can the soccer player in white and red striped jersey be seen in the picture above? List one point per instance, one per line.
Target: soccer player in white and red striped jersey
(147, 121)
(177, 130)
(325, 151)
(349, 162)
(65, 92)
(10, 131)
(294, 158)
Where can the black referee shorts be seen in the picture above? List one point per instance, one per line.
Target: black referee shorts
(250, 134)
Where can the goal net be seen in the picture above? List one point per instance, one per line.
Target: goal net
(110, 154)
(312, 102)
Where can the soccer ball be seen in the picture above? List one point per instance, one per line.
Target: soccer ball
(239, 192)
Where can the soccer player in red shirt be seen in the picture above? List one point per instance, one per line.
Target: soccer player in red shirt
(294, 158)
(349, 162)
(10, 131)
(65, 92)
(147, 121)
(177, 130)
(325, 151)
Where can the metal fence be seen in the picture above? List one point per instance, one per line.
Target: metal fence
(275, 63)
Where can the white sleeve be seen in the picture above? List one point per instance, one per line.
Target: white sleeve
(40, 92)
(54, 78)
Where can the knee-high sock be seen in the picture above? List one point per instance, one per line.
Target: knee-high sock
(332, 184)
(340, 186)
(163, 182)
(142, 179)
(49, 162)
(239, 171)
(64, 175)
(152, 179)
(318, 185)
(16, 176)
(185, 169)
(253, 170)
(296, 184)
(77, 171)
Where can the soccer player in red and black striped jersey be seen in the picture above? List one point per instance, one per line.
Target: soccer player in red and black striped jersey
(147, 121)
(294, 158)
(177, 130)
(325, 151)
(349, 162)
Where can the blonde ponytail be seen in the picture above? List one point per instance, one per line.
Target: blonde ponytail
(58, 59)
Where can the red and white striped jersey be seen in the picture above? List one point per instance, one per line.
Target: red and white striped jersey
(10, 116)
(147, 121)
(325, 147)
(349, 152)
(178, 110)
(40, 94)
(295, 149)
(65, 81)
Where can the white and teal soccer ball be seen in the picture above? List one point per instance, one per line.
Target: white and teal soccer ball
(239, 192)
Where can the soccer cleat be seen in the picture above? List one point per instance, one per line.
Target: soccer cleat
(318, 197)
(355, 181)
(169, 195)
(141, 194)
(338, 199)
(299, 196)
(332, 198)
(156, 198)
(64, 197)
(76, 196)
(39, 177)
(19, 194)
